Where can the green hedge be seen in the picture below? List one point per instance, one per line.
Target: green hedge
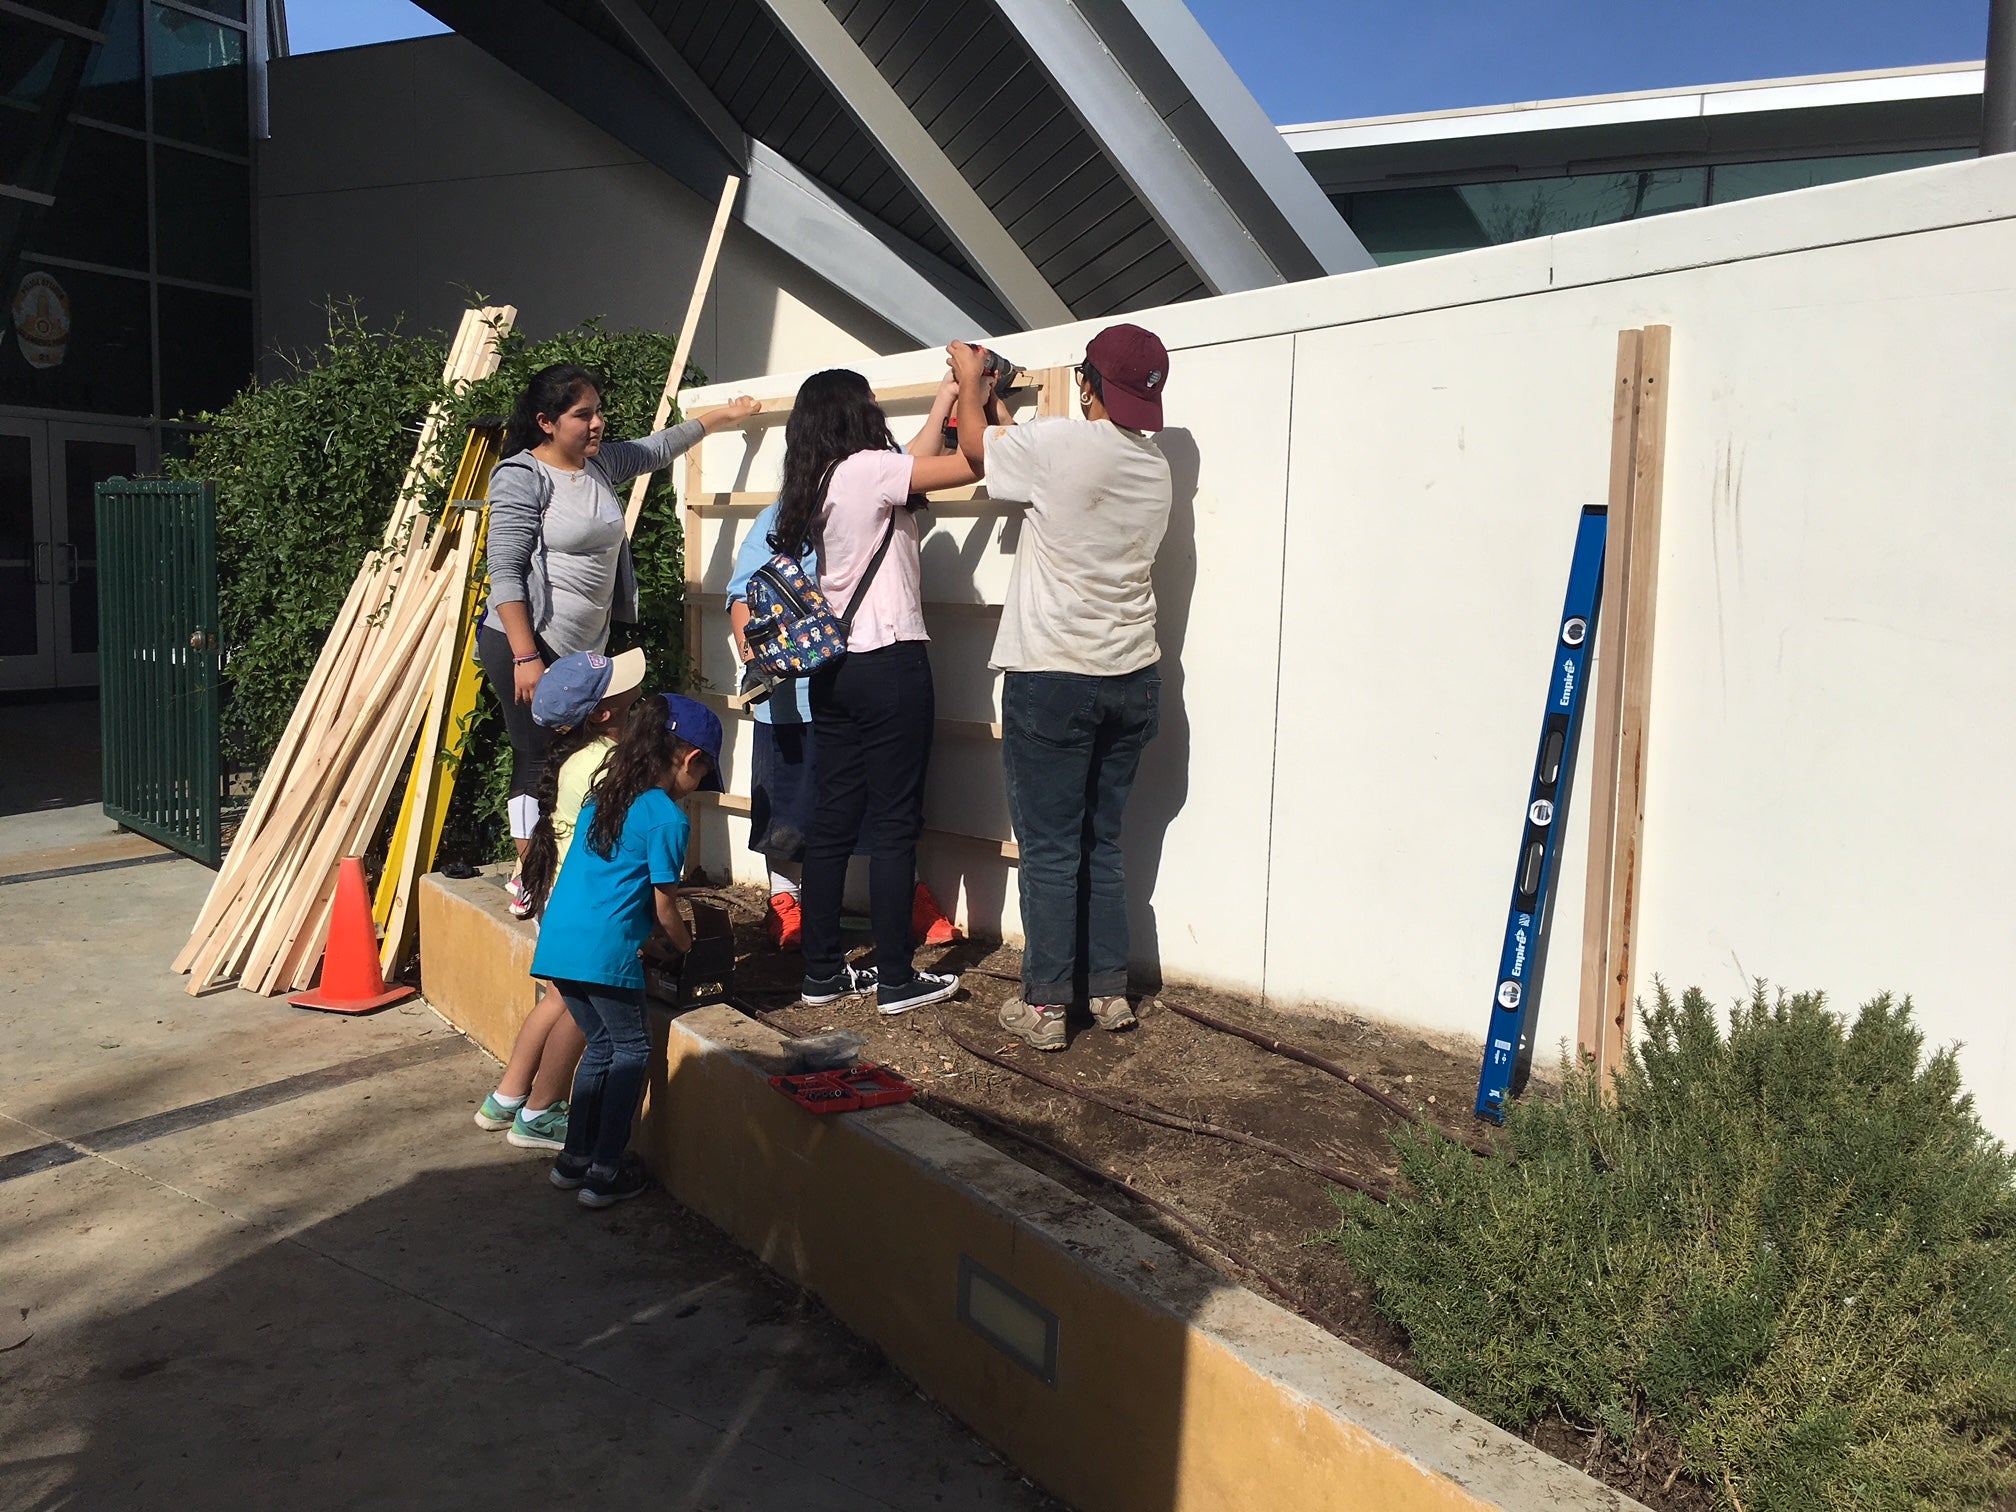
(308, 467)
(1787, 1252)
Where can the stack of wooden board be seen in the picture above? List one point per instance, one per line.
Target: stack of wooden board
(324, 791)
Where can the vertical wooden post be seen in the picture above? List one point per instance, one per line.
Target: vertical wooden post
(684, 346)
(1634, 725)
(1610, 638)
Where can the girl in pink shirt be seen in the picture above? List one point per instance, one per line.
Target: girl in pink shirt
(846, 493)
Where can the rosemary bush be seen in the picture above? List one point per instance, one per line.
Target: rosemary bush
(1789, 1250)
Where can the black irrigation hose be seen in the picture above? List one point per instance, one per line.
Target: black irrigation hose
(1120, 1184)
(1327, 1067)
(1090, 1172)
(1291, 1052)
(1128, 1109)
(1167, 1120)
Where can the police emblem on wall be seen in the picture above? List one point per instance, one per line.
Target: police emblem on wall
(41, 314)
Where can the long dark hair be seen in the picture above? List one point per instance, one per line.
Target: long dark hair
(642, 757)
(542, 851)
(835, 416)
(550, 392)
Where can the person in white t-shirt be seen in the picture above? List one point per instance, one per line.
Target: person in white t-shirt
(1080, 693)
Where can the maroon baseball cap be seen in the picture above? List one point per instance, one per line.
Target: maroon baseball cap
(1133, 368)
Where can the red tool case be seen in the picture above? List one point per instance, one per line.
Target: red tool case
(863, 1086)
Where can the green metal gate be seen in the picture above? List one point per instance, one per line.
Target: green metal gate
(159, 679)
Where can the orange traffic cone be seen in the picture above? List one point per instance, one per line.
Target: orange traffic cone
(351, 981)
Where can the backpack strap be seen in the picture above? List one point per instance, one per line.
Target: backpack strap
(867, 577)
(846, 621)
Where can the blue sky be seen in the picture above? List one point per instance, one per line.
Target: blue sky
(1317, 60)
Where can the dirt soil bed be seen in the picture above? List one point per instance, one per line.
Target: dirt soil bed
(1254, 1205)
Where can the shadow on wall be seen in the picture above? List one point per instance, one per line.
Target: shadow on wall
(1163, 786)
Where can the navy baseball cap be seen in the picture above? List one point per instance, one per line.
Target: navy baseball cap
(574, 685)
(696, 724)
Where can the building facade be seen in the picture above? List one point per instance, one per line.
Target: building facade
(128, 271)
(1452, 181)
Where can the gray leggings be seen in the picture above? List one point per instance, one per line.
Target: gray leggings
(528, 736)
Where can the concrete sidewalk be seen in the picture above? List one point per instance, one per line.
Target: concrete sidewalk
(262, 1255)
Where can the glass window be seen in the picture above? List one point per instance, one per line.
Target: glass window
(206, 349)
(17, 145)
(203, 218)
(1399, 225)
(30, 55)
(100, 189)
(86, 464)
(19, 602)
(1739, 181)
(111, 86)
(78, 341)
(199, 80)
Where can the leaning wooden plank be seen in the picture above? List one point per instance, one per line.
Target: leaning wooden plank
(230, 878)
(385, 720)
(1612, 634)
(411, 851)
(294, 969)
(304, 787)
(683, 347)
(387, 653)
(472, 354)
(1627, 869)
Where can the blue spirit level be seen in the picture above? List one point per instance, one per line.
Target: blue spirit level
(1508, 1049)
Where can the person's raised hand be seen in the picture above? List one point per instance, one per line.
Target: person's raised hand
(966, 362)
(736, 410)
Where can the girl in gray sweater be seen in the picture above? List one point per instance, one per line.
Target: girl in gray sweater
(559, 557)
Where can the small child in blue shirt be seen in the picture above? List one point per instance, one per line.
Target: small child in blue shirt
(622, 874)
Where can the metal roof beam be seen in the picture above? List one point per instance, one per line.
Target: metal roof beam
(678, 74)
(1154, 161)
(854, 79)
(872, 264)
(1234, 140)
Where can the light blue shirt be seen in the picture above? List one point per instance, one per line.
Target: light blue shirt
(778, 708)
(601, 910)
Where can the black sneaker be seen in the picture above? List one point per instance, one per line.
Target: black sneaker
(629, 1180)
(849, 981)
(924, 987)
(568, 1174)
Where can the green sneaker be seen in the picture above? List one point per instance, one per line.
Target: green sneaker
(546, 1132)
(493, 1115)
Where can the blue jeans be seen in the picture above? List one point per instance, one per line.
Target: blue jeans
(609, 1082)
(1071, 746)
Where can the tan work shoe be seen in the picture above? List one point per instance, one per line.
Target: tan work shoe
(1042, 1028)
(1112, 1014)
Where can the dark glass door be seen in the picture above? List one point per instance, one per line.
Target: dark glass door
(27, 601)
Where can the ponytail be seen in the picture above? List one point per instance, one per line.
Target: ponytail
(542, 852)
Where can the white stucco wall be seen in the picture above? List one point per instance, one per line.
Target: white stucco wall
(1379, 480)
(404, 173)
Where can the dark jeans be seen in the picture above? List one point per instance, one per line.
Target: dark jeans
(609, 1082)
(874, 712)
(1071, 746)
(528, 737)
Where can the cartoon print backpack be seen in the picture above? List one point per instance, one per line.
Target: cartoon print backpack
(792, 630)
